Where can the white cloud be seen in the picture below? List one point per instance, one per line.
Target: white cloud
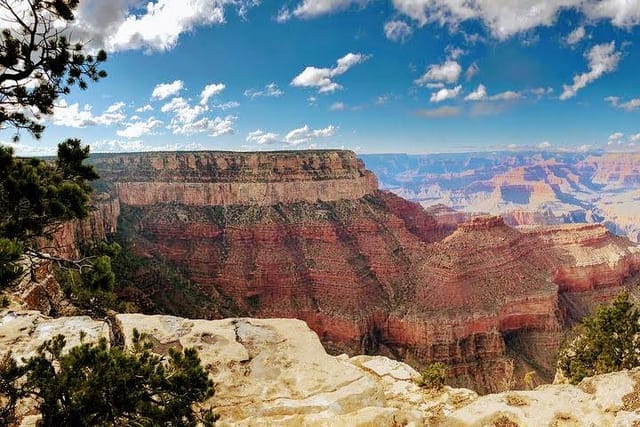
(117, 146)
(506, 96)
(444, 94)
(448, 72)
(504, 18)
(615, 137)
(544, 145)
(480, 94)
(115, 108)
(383, 99)
(398, 31)
(337, 106)
(435, 85)
(321, 78)
(209, 91)
(73, 116)
(189, 119)
(165, 90)
(260, 137)
(294, 137)
(182, 110)
(440, 113)
(213, 127)
(144, 109)
(576, 35)
(227, 105)
(472, 71)
(630, 105)
(455, 52)
(270, 90)
(603, 58)
(622, 13)
(313, 8)
(121, 25)
(306, 134)
(635, 138)
(139, 128)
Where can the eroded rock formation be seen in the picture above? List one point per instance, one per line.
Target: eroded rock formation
(307, 235)
(275, 372)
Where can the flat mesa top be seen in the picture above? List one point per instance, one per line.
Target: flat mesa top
(230, 166)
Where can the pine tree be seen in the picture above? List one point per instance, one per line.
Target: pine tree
(607, 341)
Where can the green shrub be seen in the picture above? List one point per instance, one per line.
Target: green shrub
(434, 376)
(607, 341)
(96, 385)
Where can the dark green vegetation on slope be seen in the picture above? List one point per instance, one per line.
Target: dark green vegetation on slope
(607, 341)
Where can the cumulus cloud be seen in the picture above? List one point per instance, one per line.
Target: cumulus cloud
(630, 105)
(212, 127)
(261, 138)
(313, 8)
(164, 90)
(480, 94)
(137, 129)
(144, 109)
(210, 90)
(576, 35)
(504, 18)
(271, 90)
(306, 134)
(615, 137)
(448, 72)
(75, 117)
(444, 94)
(294, 137)
(321, 78)
(188, 119)
(397, 31)
(337, 106)
(119, 25)
(603, 58)
(439, 113)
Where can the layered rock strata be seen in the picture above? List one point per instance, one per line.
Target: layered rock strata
(307, 235)
(275, 372)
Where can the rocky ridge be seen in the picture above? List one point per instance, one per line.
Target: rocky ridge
(276, 372)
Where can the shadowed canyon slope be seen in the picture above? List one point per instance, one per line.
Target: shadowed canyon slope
(525, 187)
(309, 235)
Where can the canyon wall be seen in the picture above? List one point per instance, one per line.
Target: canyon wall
(526, 188)
(308, 235)
(66, 238)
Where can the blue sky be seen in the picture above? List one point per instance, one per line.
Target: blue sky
(387, 76)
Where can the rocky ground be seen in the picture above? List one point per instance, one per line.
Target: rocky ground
(276, 373)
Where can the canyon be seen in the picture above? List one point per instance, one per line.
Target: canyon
(526, 188)
(309, 235)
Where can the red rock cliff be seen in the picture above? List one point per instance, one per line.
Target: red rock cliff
(308, 235)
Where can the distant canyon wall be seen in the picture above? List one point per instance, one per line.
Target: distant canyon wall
(527, 188)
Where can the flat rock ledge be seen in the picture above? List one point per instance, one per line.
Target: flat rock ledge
(275, 372)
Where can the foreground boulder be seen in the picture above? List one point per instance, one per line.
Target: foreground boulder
(275, 372)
